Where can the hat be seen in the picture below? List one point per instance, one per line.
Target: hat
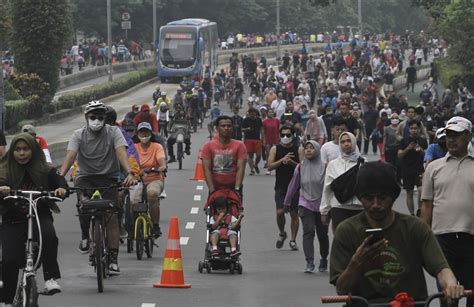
(145, 107)
(377, 177)
(28, 128)
(459, 124)
(263, 108)
(440, 133)
(144, 125)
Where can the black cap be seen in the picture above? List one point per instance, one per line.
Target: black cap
(376, 178)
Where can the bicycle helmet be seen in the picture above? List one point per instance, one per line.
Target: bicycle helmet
(110, 115)
(95, 105)
(163, 93)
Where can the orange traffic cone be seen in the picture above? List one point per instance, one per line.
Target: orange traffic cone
(199, 171)
(172, 275)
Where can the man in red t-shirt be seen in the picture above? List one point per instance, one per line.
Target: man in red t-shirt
(224, 158)
(271, 132)
(146, 115)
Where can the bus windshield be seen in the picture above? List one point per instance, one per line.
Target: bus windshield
(178, 47)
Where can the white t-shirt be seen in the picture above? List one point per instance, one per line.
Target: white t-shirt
(329, 152)
(279, 106)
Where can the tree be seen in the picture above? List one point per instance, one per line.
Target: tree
(5, 25)
(41, 29)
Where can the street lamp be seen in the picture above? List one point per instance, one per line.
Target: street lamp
(109, 38)
(278, 27)
(154, 28)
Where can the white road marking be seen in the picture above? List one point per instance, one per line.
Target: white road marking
(148, 305)
(184, 240)
(199, 187)
(197, 197)
(194, 210)
(190, 225)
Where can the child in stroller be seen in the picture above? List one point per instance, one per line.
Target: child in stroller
(223, 209)
(223, 226)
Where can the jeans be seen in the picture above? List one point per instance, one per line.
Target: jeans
(312, 221)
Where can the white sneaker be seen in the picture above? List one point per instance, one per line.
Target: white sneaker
(51, 287)
(114, 269)
(163, 195)
(268, 173)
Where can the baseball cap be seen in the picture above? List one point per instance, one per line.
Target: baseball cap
(263, 108)
(459, 124)
(145, 107)
(440, 133)
(28, 128)
(144, 125)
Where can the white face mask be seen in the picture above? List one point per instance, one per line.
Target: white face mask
(95, 125)
(286, 140)
(395, 121)
(145, 139)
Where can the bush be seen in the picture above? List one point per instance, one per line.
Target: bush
(10, 92)
(16, 111)
(104, 90)
(451, 74)
(32, 88)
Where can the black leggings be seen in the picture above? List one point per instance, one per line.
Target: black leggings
(13, 238)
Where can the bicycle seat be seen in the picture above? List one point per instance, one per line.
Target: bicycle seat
(140, 208)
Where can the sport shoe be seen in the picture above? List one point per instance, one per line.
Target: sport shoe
(235, 253)
(84, 246)
(156, 232)
(268, 173)
(163, 195)
(123, 232)
(281, 240)
(257, 170)
(113, 265)
(51, 287)
(293, 245)
(172, 159)
(323, 265)
(309, 268)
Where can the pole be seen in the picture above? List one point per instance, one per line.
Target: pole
(109, 38)
(278, 27)
(154, 29)
(2, 101)
(359, 17)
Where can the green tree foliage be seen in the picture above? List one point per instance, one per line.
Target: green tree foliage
(40, 31)
(5, 24)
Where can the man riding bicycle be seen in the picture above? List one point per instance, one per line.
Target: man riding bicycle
(152, 164)
(101, 154)
(178, 122)
(378, 267)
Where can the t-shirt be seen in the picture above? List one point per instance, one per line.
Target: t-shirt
(255, 125)
(329, 152)
(279, 106)
(434, 152)
(96, 151)
(41, 142)
(411, 73)
(224, 159)
(398, 267)
(391, 134)
(212, 221)
(412, 162)
(270, 130)
(291, 118)
(149, 158)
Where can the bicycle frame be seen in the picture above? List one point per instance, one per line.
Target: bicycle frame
(146, 222)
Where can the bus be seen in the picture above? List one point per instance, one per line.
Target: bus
(187, 47)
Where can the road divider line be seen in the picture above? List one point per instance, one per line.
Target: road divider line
(190, 225)
(194, 210)
(148, 305)
(200, 187)
(184, 240)
(197, 197)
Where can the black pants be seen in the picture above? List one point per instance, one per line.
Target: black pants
(368, 132)
(458, 248)
(13, 238)
(338, 215)
(391, 156)
(412, 84)
(171, 141)
(312, 221)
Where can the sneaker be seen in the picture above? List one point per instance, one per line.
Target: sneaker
(163, 195)
(293, 245)
(84, 246)
(113, 265)
(268, 173)
(123, 232)
(281, 240)
(172, 159)
(51, 287)
(309, 268)
(235, 254)
(323, 265)
(257, 170)
(252, 172)
(188, 152)
(156, 232)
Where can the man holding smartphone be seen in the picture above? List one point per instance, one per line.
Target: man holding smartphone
(380, 269)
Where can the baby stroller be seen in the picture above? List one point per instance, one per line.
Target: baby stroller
(224, 260)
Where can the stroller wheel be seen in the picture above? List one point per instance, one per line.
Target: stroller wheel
(200, 266)
(232, 268)
(239, 268)
(208, 268)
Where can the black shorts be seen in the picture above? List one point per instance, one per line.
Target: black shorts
(280, 198)
(410, 181)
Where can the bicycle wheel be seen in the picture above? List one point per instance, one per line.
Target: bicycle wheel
(139, 240)
(149, 242)
(99, 255)
(26, 294)
(180, 155)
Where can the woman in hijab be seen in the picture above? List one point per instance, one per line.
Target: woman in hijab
(315, 129)
(329, 204)
(24, 167)
(309, 179)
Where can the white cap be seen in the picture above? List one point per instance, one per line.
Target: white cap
(459, 124)
(440, 133)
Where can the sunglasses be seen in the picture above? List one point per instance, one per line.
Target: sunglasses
(289, 135)
(100, 117)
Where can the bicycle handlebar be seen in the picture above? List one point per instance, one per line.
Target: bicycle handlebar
(15, 194)
(117, 187)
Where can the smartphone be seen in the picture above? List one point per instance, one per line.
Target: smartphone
(377, 234)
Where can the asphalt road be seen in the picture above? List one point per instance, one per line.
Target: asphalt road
(271, 277)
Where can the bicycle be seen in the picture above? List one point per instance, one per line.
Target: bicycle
(330, 299)
(26, 294)
(100, 210)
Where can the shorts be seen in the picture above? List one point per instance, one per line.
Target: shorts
(230, 233)
(410, 181)
(136, 191)
(253, 146)
(388, 87)
(280, 198)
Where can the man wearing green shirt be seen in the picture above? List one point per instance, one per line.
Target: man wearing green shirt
(394, 263)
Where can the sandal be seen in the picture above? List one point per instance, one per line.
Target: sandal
(281, 240)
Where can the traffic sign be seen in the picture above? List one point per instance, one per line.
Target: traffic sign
(125, 16)
(126, 25)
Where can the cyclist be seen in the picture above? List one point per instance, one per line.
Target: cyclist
(224, 158)
(163, 117)
(25, 167)
(179, 120)
(151, 155)
(215, 113)
(99, 149)
(378, 269)
(156, 94)
(164, 99)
